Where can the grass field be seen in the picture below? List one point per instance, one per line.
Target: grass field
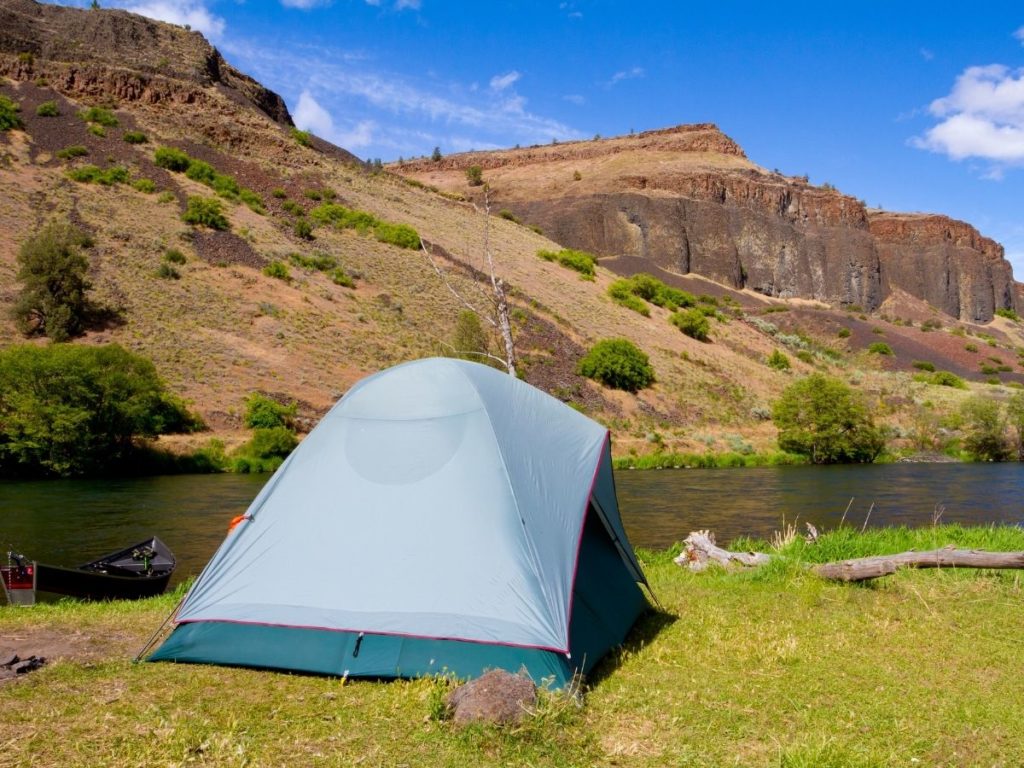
(763, 668)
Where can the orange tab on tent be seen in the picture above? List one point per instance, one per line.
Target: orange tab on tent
(235, 521)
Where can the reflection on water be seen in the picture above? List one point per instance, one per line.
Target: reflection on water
(74, 521)
(660, 508)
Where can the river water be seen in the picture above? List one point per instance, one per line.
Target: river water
(72, 521)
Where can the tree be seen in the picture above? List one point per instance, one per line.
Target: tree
(52, 269)
(475, 175)
(1015, 415)
(617, 363)
(436, 155)
(984, 429)
(263, 412)
(822, 418)
(73, 410)
(469, 341)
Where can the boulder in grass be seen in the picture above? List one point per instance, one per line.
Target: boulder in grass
(497, 697)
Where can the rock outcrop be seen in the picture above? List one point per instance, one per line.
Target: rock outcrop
(688, 200)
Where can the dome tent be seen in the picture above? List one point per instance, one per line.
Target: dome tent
(443, 517)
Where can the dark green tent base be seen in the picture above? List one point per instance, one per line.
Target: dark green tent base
(606, 603)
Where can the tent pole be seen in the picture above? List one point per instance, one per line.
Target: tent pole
(152, 640)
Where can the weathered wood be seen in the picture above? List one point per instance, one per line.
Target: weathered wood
(864, 568)
(701, 551)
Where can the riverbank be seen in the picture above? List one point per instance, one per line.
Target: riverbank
(772, 667)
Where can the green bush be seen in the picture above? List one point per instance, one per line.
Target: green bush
(278, 270)
(580, 261)
(822, 418)
(99, 116)
(971, 347)
(778, 361)
(294, 208)
(52, 269)
(174, 256)
(313, 194)
(947, 379)
(303, 229)
(88, 174)
(265, 452)
(341, 217)
(342, 278)
(321, 262)
(304, 138)
(1009, 314)
(507, 215)
(144, 185)
(172, 159)
(201, 171)
(135, 137)
(167, 271)
(621, 292)
(844, 333)
(692, 322)
(9, 114)
(252, 200)
(924, 365)
(262, 412)
(984, 429)
(879, 348)
(279, 193)
(469, 340)
(205, 212)
(166, 197)
(617, 363)
(48, 109)
(475, 175)
(401, 235)
(75, 409)
(75, 150)
(97, 130)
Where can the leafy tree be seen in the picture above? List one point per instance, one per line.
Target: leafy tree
(73, 410)
(436, 155)
(263, 412)
(617, 363)
(475, 175)
(822, 418)
(52, 269)
(1015, 415)
(984, 429)
(469, 341)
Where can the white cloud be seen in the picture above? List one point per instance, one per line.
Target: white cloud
(401, 5)
(501, 82)
(574, 98)
(311, 116)
(982, 117)
(191, 12)
(305, 5)
(1019, 34)
(626, 74)
(927, 54)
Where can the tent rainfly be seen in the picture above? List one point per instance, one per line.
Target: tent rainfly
(442, 518)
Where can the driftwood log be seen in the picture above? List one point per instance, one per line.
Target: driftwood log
(864, 568)
(701, 551)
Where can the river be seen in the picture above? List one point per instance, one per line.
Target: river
(72, 521)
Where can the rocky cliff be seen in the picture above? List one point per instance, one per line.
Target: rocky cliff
(688, 200)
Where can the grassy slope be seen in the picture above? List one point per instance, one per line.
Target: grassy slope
(769, 668)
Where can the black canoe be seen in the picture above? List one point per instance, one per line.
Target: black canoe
(141, 570)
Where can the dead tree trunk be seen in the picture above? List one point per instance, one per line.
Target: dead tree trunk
(701, 551)
(864, 568)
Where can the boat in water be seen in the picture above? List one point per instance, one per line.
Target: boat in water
(141, 570)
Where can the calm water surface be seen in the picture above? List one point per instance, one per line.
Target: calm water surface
(69, 522)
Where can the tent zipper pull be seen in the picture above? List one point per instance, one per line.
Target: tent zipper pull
(359, 642)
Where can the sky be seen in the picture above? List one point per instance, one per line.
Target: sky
(910, 106)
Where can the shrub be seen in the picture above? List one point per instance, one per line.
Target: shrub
(947, 379)
(292, 207)
(144, 185)
(265, 452)
(75, 150)
(9, 114)
(303, 138)
(279, 193)
(475, 175)
(205, 212)
(263, 412)
(278, 270)
(923, 365)
(342, 278)
(321, 262)
(172, 159)
(507, 215)
(805, 355)
(401, 235)
(580, 261)
(313, 194)
(984, 427)
(166, 197)
(617, 363)
(48, 109)
(778, 361)
(135, 137)
(692, 322)
(621, 292)
(174, 256)
(252, 200)
(652, 289)
(971, 347)
(52, 269)
(303, 229)
(879, 348)
(201, 171)
(73, 409)
(844, 333)
(99, 116)
(469, 341)
(822, 418)
(97, 130)
(1009, 314)
(577, 176)
(166, 271)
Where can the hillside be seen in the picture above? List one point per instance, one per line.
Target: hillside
(223, 328)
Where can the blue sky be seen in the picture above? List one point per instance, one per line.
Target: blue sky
(913, 106)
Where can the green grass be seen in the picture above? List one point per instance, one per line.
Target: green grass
(773, 667)
(580, 261)
(673, 460)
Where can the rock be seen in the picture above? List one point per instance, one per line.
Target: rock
(12, 666)
(496, 697)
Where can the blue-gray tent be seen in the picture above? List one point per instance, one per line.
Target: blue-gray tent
(442, 518)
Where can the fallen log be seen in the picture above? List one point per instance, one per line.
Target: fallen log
(701, 551)
(863, 568)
